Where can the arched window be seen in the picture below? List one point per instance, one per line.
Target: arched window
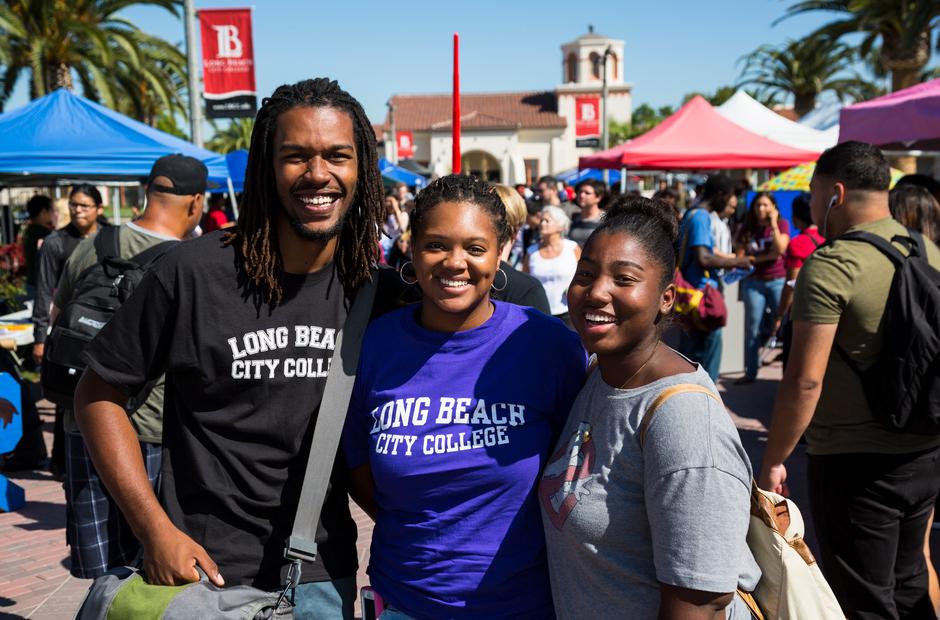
(616, 63)
(572, 68)
(596, 64)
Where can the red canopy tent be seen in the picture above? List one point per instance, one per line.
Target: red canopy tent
(697, 137)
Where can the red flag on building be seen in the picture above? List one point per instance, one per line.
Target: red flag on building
(587, 121)
(228, 64)
(406, 144)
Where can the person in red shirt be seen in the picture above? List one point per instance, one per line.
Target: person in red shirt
(215, 218)
(801, 246)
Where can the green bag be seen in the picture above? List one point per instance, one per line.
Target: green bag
(123, 593)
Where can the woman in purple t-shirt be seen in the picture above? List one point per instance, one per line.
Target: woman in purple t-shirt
(456, 404)
(765, 236)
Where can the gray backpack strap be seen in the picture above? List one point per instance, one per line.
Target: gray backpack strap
(302, 546)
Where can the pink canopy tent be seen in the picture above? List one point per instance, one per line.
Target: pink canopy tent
(906, 120)
(697, 137)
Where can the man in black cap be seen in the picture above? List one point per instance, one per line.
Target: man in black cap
(97, 533)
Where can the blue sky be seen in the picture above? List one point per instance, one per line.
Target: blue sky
(376, 49)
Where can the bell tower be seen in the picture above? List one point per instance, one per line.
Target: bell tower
(583, 60)
(582, 80)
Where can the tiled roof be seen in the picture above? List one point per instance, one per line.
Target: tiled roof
(787, 113)
(523, 110)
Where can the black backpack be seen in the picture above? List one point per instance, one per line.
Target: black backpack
(902, 386)
(98, 293)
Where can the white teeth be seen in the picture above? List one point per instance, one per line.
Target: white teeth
(447, 282)
(599, 318)
(316, 201)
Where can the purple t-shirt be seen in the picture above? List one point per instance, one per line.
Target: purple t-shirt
(760, 243)
(457, 428)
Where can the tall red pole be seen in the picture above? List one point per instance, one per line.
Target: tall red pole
(455, 160)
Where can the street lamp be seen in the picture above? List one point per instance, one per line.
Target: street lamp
(195, 111)
(605, 134)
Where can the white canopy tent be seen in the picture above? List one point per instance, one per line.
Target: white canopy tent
(747, 112)
(824, 117)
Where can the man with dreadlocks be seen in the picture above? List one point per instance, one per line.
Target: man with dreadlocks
(243, 323)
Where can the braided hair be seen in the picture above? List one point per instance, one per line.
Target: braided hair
(256, 235)
(458, 188)
(652, 223)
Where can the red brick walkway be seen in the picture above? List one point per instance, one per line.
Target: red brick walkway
(34, 577)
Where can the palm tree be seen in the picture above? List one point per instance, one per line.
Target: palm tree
(237, 135)
(804, 69)
(903, 27)
(154, 80)
(53, 41)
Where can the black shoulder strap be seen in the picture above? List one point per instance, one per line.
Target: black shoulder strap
(886, 247)
(302, 546)
(108, 243)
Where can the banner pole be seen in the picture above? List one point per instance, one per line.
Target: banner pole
(195, 110)
(455, 125)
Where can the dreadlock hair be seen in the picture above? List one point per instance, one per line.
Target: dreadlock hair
(456, 188)
(652, 223)
(256, 235)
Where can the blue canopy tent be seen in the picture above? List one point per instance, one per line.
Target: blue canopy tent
(237, 162)
(399, 175)
(573, 177)
(64, 136)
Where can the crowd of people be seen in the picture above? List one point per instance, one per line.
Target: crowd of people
(500, 429)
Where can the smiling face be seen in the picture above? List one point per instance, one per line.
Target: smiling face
(316, 169)
(456, 255)
(616, 295)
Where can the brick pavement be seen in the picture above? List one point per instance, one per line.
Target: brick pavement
(34, 579)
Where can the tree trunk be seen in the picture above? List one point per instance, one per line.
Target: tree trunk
(905, 78)
(60, 76)
(906, 63)
(803, 103)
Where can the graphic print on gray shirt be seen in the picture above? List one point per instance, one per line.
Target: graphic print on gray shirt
(618, 521)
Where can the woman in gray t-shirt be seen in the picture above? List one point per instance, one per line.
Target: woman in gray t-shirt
(657, 532)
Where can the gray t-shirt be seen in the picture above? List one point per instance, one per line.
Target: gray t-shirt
(147, 419)
(618, 521)
(582, 229)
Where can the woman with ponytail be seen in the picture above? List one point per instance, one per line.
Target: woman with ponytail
(645, 516)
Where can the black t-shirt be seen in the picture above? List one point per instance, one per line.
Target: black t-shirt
(521, 289)
(243, 389)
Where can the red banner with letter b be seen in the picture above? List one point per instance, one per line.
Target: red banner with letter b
(228, 64)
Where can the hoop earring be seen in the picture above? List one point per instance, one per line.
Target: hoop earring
(505, 282)
(401, 273)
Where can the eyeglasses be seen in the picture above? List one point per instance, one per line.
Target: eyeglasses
(77, 206)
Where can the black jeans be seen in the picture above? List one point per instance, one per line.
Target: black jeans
(870, 512)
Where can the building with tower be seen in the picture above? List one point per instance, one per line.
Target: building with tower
(516, 137)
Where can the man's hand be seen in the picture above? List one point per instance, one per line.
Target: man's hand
(7, 411)
(171, 557)
(774, 478)
(38, 350)
(745, 262)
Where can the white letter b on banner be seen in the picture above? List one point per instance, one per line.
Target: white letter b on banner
(230, 46)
